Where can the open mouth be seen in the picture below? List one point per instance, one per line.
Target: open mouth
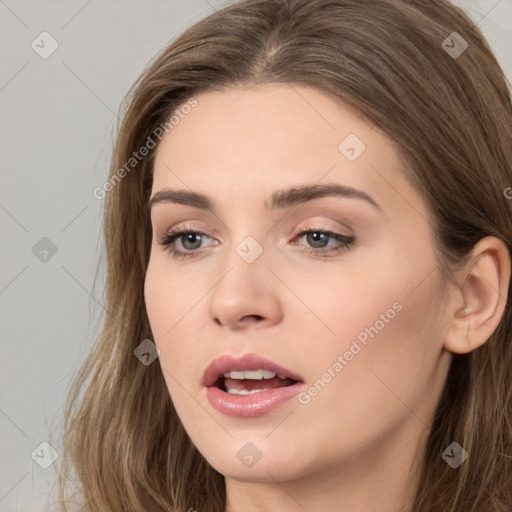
(251, 381)
(265, 384)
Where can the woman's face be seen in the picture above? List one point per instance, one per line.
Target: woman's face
(356, 320)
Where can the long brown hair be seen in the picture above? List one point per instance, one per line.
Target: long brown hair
(451, 116)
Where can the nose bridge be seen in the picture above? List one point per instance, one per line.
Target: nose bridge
(245, 241)
(244, 268)
(246, 288)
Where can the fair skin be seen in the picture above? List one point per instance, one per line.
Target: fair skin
(355, 445)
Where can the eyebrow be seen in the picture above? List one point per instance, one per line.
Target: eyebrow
(280, 198)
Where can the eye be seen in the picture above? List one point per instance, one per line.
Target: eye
(317, 237)
(190, 240)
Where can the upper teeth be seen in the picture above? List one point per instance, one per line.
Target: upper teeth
(253, 374)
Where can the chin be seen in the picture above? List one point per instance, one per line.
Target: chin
(242, 461)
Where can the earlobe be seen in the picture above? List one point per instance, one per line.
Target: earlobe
(483, 294)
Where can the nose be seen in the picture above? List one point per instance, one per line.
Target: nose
(246, 295)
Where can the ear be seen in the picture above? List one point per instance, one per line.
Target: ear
(480, 300)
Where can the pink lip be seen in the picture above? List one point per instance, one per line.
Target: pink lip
(255, 404)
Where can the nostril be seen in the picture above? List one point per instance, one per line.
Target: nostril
(255, 317)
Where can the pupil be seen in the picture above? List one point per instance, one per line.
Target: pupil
(317, 237)
(191, 237)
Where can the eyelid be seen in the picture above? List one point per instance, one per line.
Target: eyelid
(320, 225)
(312, 225)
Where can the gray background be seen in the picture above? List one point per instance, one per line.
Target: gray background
(58, 118)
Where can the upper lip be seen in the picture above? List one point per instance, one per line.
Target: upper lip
(227, 363)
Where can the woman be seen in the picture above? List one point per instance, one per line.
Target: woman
(309, 227)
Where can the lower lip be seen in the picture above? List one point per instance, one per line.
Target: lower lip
(255, 404)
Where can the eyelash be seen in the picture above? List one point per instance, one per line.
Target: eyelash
(168, 239)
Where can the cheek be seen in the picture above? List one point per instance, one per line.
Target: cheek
(158, 298)
(387, 304)
(361, 302)
(166, 307)
(175, 309)
(170, 308)
(169, 299)
(390, 352)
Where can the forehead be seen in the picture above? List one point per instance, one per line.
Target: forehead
(257, 139)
